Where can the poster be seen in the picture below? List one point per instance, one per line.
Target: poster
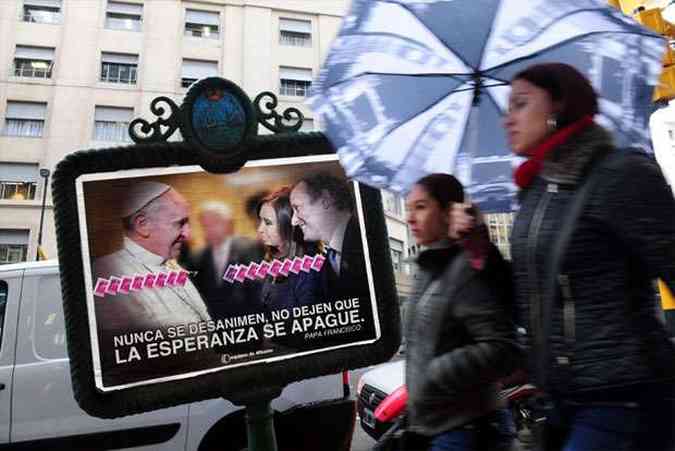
(189, 272)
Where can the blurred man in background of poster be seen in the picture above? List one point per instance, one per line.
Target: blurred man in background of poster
(224, 248)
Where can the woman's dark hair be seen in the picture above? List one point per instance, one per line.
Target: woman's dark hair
(443, 188)
(280, 201)
(565, 85)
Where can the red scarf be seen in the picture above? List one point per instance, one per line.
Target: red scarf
(529, 169)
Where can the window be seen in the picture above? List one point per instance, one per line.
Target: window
(18, 181)
(112, 123)
(34, 62)
(193, 70)
(396, 248)
(119, 68)
(25, 119)
(201, 24)
(297, 33)
(295, 82)
(499, 228)
(392, 203)
(49, 333)
(42, 11)
(124, 16)
(13, 246)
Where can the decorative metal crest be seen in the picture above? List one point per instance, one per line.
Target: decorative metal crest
(152, 132)
(274, 121)
(142, 131)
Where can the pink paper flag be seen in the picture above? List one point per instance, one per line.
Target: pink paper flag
(275, 267)
(230, 273)
(101, 287)
(114, 286)
(263, 269)
(149, 281)
(318, 262)
(296, 265)
(171, 280)
(160, 281)
(252, 270)
(137, 283)
(125, 286)
(182, 278)
(241, 274)
(307, 263)
(285, 267)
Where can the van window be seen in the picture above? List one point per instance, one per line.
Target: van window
(3, 306)
(50, 334)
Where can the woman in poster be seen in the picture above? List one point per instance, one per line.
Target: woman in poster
(283, 241)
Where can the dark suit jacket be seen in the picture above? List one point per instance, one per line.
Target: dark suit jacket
(353, 280)
(226, 299)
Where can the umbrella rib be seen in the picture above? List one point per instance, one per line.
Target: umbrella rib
(559, 44)
(458, 77)
(489, 35)
(494, 102)
(558, 19)
(391, 35)
(393, 129)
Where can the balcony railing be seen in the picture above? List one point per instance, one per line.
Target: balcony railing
(28, 70)
(118, 73)
(119, 23)
(18, 190)
(201, 31)
(13, 253)
(295, 88)
(295, 39)
(39, 16)
(29, 128)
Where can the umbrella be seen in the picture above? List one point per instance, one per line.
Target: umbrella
(411, 87)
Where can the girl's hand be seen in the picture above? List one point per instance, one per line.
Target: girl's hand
(462, 220)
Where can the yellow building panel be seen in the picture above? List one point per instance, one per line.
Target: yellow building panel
(629, 6)
(651, 18)
(667, 298)
(665, 90)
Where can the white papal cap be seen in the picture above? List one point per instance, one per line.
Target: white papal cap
(140, 195)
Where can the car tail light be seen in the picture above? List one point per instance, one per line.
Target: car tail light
(393, 405)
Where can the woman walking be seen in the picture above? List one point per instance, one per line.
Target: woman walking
(459, 331)
(607, 364)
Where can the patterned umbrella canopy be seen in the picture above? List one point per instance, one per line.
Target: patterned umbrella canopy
(411, 87)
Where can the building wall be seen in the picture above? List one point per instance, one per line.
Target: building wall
(248, 52)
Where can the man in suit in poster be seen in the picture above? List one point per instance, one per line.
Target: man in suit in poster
(323, 208)
(224, 248)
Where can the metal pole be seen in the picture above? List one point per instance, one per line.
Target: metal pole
(260, 426)
(44, 173)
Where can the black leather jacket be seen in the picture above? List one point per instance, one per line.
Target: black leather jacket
(461, 340)
(624, 239)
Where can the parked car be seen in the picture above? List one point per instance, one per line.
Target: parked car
(38, 411)
(388, 379)
(372, 388)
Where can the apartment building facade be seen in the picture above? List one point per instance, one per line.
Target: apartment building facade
(75, 73)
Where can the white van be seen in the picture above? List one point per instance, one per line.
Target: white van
(38, 411)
